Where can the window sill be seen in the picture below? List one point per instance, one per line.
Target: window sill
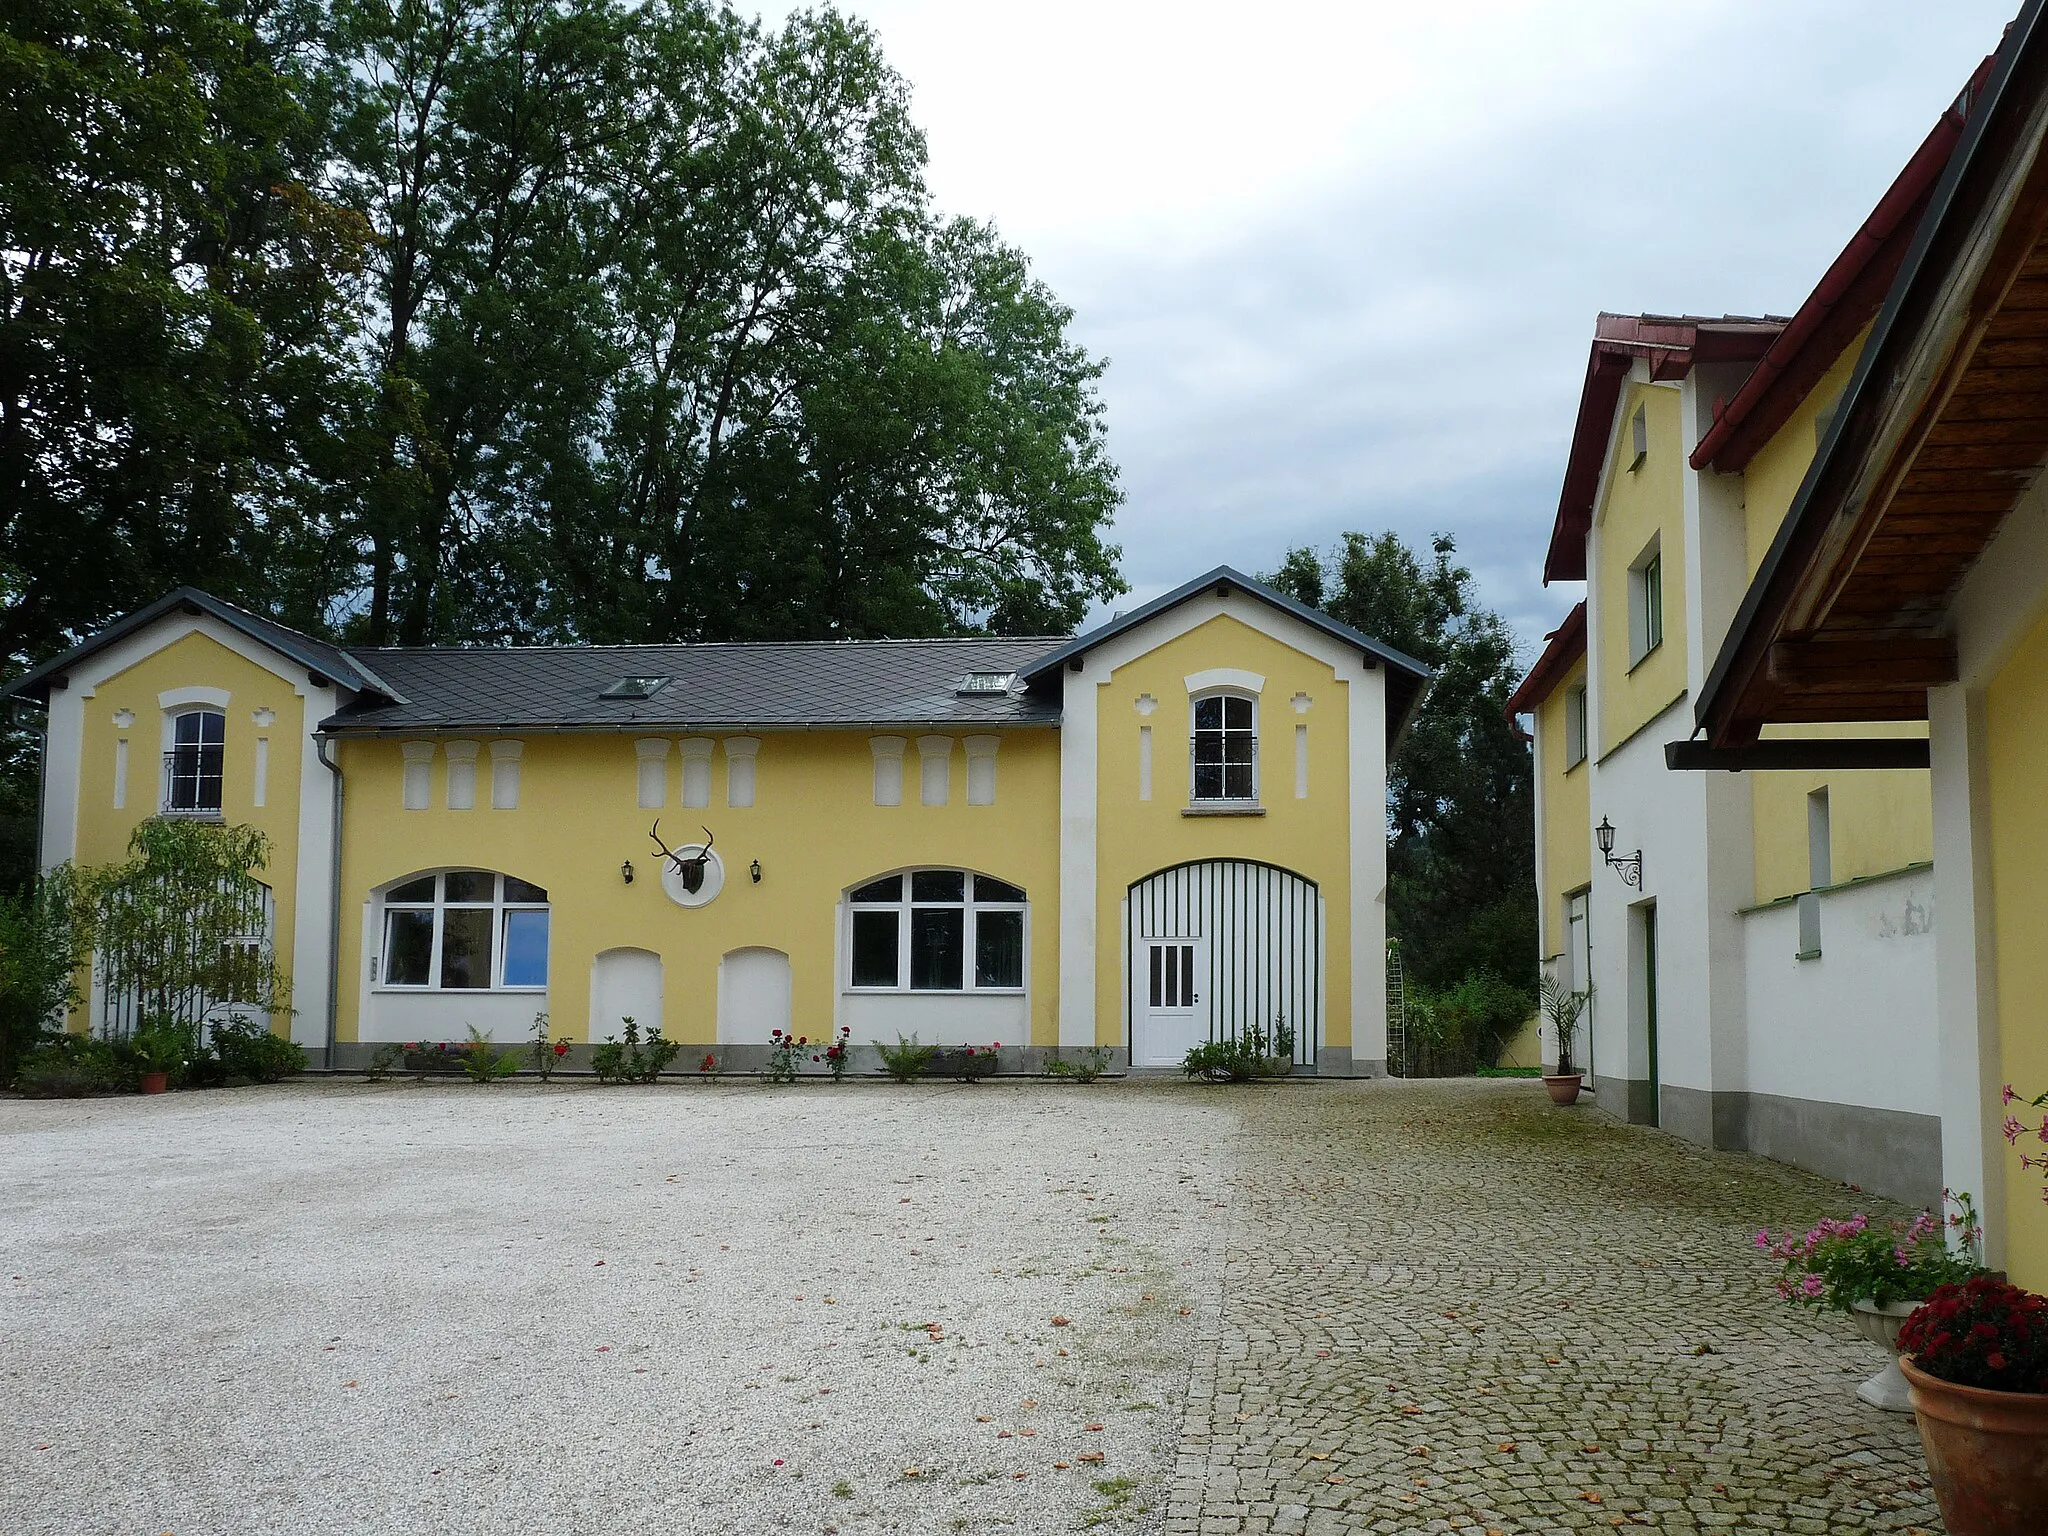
(1224, 808)
(1653, 650)
(398, 990)
(1806, 954)
(181, 815)
(934, 991)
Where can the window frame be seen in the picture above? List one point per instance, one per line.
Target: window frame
(1224, 732)
(178, 752)
(1576, 735)
(501, 906)
(971, 905)
(1646, 603)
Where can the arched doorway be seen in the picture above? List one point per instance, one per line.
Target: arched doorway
(1218, 946)
(624, 984)
(753, 996)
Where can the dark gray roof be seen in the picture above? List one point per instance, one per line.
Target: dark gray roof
(769, 685)
(1407, 678)
(316, 656)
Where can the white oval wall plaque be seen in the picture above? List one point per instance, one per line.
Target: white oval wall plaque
(707, 889)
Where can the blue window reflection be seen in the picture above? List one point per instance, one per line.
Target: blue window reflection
(526, 949)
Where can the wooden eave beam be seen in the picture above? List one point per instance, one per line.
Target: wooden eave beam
(1876, 665)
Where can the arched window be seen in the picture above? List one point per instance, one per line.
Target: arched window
(465, 930)
(192, 768)
(1226, 747)
(937, 930)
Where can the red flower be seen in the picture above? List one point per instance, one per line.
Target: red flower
(561, 1047)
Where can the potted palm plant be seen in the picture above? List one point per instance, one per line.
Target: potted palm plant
(1976, 1355)
(1564, 1008)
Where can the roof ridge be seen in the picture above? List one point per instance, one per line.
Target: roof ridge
(580, 648)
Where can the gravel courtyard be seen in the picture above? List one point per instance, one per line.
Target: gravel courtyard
(1024, 1307)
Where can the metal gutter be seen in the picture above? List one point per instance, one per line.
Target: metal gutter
(329, 731)
(333, 903)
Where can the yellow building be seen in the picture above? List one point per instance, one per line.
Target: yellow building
(1166, 830)
(1758, 950)
(1905, 594)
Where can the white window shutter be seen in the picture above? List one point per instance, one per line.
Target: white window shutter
(697, 771)
(505, 774)
(461, 775)
(935, 768)
(981, 768)
(888, 751)
(653, 772)
(740, 755)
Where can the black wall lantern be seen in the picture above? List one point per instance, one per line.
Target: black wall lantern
(626, 870)
(1629, 866)
(754, 869)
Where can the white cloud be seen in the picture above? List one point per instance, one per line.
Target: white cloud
(1345, 258)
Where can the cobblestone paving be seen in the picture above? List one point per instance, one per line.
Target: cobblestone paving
(1450, 1307)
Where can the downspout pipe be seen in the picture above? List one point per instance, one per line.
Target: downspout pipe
(320, 745)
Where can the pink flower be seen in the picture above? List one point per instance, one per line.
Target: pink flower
(1811, 1285)
(2012, 1129)
(2008, 1095)
(1763, 1240)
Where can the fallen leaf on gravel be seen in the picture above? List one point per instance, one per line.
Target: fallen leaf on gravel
(1590, 1497)
(1187, 1312)
(1062, 1354)
(912, 1472)
(1018, 1477)
(1418, 1450)
(604, 1349)
(1059, 1466)
(1591, 1450)
(1507, 1445)
(1553, 1360)
(598, 1265)
(1029, 1402)
(1450, 1314)
(1004, 1434)
(983, 1418)
(1091, 1456)
(1060, 1320)
(1028, 1434)
(1318, 1455)
(1410, 1408)
(1091, 1426)
(348, 1383)
(1334, 1477)
(1322, 1354)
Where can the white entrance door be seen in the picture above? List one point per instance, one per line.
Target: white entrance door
(1170, 1018)
(753, 996)
(624, 984)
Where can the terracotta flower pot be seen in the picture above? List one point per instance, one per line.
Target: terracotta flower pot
(1564, 1089)
(1987, 1451)
(155, 1082)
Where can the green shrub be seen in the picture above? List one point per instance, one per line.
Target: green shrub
(633, 1061)
(484, 1062)
(906, 1059)
(67, 1066)
(1454, 1032)
(164, 1045)
(248, 1050)
(1086, 1064)
(43, 941)
(1252, 1053)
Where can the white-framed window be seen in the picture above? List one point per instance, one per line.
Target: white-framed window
(1646, 603)
(193, 765)
(1224, 747)
(465, 930)
(936, 930)
(1574, 725)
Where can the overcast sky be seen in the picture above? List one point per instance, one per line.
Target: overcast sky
(1344, 258)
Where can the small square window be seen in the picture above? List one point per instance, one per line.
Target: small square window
(986, 682)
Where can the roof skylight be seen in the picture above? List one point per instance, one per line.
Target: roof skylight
(635, 688)
(987, 682)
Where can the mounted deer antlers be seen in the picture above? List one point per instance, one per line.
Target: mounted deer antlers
(689, 868)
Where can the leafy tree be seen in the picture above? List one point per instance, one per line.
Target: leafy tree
(180, 923)
(45, 934)
(1461, 865)
(172, 308)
